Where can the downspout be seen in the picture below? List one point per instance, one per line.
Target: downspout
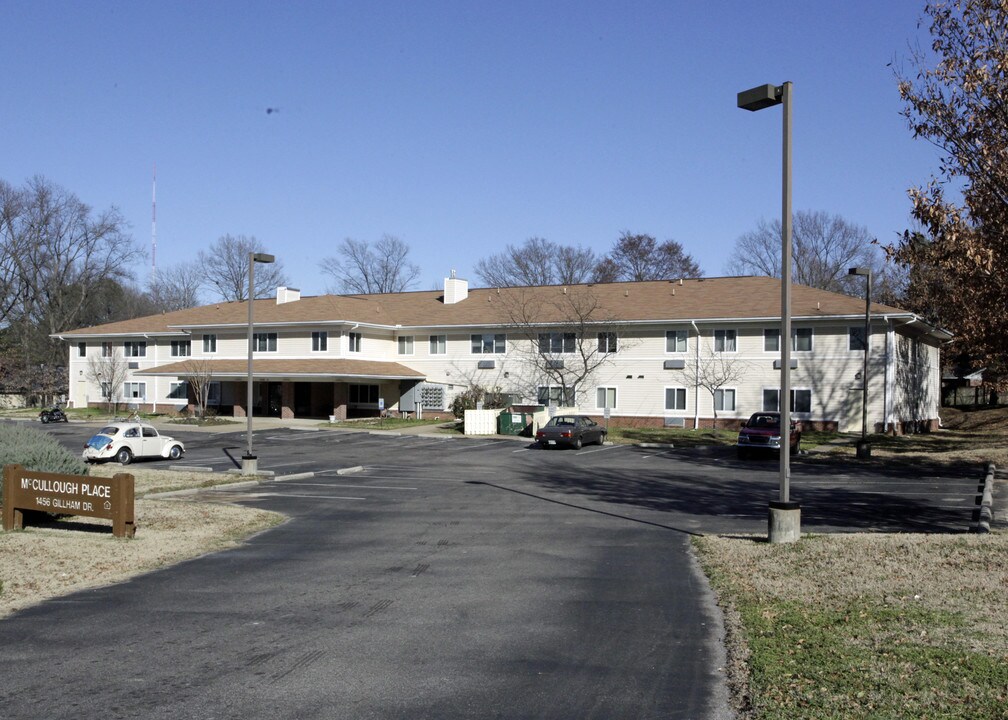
(887, 377)
(696, 377)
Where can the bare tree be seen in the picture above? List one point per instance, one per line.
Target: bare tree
(566, 350)
(56, 255)
(178, 286)
(714, 371)
(366, 269)
(824, 247)
(537, 262)
(108, 373)
(225, 265)
(639, 257)
(199, 375)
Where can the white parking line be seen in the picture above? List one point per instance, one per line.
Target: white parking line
(355, 487)
(598, 449)
(309, 497)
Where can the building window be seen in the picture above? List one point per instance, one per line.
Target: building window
(363, 395)
(675, 398)
(406, 345)
(319, 341)
(724, 341)
(210, 343)
(801, 400)
(264, 342)
(771, 340)
(181, 348)
(675, 341)
(81, 349)
(135, 391)
(605, 397)
(438, 344)
(489, 344)
(801, 339)
(855, 338)
(554, 343)
(555, 395)
(355, 342)
(106, 350)
(106, 390)
(135, 348)
(177, 391)
(607, 342)
(724, 400)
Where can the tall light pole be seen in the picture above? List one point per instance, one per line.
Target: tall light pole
(249, 461)
(785, 516)
(863, 446)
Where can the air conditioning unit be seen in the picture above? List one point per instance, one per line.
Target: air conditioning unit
(485, 365)
(675, 364)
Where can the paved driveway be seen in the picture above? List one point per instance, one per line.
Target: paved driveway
(447, 579)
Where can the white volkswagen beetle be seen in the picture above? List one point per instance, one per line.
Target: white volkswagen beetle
(127, 440)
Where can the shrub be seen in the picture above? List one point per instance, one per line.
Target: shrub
(36, 450)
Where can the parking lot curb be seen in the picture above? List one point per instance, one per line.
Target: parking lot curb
(198, 490)
(350, 470)
(190, 468)
(294, 476)
(664, 446)
(985, 513)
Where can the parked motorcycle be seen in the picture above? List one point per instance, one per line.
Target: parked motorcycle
(53, 414)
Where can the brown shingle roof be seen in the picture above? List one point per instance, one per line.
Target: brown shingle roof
(692, 299)
(289, 368)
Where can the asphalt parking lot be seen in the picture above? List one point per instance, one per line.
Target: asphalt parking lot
(447, 578)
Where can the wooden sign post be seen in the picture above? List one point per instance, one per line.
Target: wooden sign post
(109, 498)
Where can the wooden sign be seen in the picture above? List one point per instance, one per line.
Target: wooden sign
(109, 498)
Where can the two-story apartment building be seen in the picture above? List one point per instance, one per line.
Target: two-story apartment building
(686, 353)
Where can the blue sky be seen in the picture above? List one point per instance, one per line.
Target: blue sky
(459, 127)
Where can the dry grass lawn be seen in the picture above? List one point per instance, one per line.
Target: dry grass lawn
(865, 625)
(43, 562)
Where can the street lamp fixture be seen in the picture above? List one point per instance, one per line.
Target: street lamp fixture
(249, 460)
(785, 516)
(863, 446)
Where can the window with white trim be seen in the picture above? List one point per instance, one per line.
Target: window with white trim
(675, 398)
(319, 341)
(181, 348)
(177, 391)
(771, 340)
(354, 342)
(724, 400)
(676, 341)
(135, 390)
(801, 400)
(605, 397)
(607, 342)
(82, 349)
(209, 343)
(405, 344)
(855, 338)
(488, 343)
(264, 342)
(106, 349)
(438, 344)
(555, 395)
(724, 341)
(554, 343)
(135, 348)
(801, 339)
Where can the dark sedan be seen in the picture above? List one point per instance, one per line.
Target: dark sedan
(571, 430)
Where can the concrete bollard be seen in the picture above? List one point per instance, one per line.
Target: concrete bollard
(785, 522)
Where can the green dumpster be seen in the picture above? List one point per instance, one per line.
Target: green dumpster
(512, 423)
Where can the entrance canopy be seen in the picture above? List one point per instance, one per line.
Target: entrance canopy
(336, 369)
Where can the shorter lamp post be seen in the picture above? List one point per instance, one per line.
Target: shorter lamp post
(863, 446)
(249, 461)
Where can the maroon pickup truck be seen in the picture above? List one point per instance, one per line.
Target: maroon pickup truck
(762, 433)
